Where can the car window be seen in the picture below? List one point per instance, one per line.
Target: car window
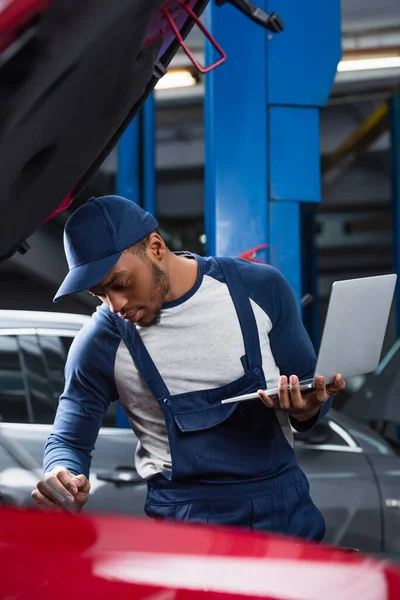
(39, 386)
(32, 378)
(13, 392)
(54, 349)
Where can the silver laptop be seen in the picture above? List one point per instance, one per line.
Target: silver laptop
(354, 331)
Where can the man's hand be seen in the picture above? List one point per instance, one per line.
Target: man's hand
(61, 487)
(302, 406)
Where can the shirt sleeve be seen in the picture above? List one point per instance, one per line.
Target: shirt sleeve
(89, 389)
(291, 346)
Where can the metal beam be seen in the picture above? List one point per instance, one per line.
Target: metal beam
(128, 170)
(236, 165)
(336, 163)
(148, 156)
(136, 175)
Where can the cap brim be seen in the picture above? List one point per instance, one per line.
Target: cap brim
(86, 276)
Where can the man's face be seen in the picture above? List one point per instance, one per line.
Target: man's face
(135, 288)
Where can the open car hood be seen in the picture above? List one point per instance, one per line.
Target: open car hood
(73, 75)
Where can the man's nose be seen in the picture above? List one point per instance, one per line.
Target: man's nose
(116, 302)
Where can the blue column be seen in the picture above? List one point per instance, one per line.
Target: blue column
(262, 127)
(294, 177)
(136, 173)
(128, 171)
(285, 250)
(395, 139)
(136, 176)
(128, 186)
(236, 212)
(148, 157)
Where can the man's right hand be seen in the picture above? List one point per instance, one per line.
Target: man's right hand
(61, 487)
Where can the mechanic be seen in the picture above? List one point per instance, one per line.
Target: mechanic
(177, 333)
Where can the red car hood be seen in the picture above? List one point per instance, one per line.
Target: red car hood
(59, 556)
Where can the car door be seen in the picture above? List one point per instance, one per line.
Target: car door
(31, 380)
(17, 418)
(116, 486)
(342, 485)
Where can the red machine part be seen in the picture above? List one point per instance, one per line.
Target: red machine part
(166, 11)
(170, 19)
(252, 253)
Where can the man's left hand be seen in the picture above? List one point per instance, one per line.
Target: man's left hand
(302, 406)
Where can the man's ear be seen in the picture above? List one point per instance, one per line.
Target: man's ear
(156, 246)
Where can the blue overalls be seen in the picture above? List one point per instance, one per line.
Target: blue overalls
(231, 463)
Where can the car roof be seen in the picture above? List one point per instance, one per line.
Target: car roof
(72, 78)
(16, 319)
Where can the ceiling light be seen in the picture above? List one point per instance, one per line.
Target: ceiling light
(364, 64)
(176, 79)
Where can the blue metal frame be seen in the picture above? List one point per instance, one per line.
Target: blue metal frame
(236, 215)
(262, 127)
(285, 250)
(136, 176)
(302, 60)
(128, 171)
(395, 139)
(149, 159)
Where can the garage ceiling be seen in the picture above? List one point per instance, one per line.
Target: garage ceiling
(360, 15)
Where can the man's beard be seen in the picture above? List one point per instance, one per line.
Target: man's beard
(159, 293)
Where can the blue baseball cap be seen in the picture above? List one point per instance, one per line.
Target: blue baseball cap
(95, 237)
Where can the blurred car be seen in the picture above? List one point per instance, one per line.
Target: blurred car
(353, 472)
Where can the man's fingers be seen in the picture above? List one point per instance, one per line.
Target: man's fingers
(339, 382)
(267, 400)
(61, 489)
(321, 392)
(82, 484)
(44, 504)
(297, 400)
(284, 396)
(338, 385)
(69, 481)
(51, 487)
(41, 500)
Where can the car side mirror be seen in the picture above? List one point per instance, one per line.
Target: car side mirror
(321, 433)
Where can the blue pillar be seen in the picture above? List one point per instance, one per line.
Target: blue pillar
(236, 213)
(285, 243)
(262, 127)
(148, 157)
(395, 139)
(136, 175)
(128, 170)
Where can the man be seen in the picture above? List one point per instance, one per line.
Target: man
(175, 335)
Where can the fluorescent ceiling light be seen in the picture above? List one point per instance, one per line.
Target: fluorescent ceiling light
(365, 64)
(176, 79)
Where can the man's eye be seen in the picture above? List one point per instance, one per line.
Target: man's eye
(121, 286)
